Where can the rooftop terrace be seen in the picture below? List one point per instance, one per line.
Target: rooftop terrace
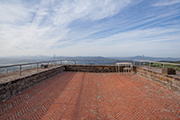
(84, 95)
(83, 90)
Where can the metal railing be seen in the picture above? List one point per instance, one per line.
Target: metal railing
(62, 62)
(150, 62)
(25, 64)
(89, 62)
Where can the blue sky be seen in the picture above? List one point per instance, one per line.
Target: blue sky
(107, 28)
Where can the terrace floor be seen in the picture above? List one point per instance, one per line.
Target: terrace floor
(91, 96)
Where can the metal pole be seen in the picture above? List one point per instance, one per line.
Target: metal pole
(163, 66)
(126, 71)
(37, 66)
(89, 62)
(143, 60)
(20, 70)
(54, 57)
(149, 65)
(116, 68)
(103, 62)
(133, 63)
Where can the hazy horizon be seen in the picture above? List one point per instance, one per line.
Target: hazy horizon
(84, 56)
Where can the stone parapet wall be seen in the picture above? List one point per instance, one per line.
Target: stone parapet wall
(97, 68)
(168, 81)
(91, 68)
(16, 86)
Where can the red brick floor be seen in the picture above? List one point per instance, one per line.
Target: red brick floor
(91, 96)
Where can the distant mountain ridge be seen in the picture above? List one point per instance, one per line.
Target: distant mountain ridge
(40, 58)
(148, 58)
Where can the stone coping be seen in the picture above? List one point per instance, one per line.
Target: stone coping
(8, 77)
(159, 70)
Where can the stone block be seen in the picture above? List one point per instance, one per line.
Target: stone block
(169, 71)
(44, 66)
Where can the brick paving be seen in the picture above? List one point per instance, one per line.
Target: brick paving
(91, 96)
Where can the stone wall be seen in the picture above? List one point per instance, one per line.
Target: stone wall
(90, 68)
(96, 68)
(168, 81)
(14, 87)
(93, 68)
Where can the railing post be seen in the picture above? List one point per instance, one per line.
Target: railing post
(6, 71)
(133, 63)
(89, 62)
(163, 66)
(20, 70)
(37, 66)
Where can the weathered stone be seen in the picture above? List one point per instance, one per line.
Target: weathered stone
(93, 68)
(44, 66)
(16, 86)
(169, 71)
(163, 79)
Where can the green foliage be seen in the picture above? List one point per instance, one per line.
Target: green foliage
(177, 67)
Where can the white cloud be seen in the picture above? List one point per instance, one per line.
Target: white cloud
(68, 11)
(166, 2)
(49, 23)
(45, 27)
(129, 43)
(15, 12)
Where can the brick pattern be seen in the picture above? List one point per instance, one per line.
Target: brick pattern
(90, 96)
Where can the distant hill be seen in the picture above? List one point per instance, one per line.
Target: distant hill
(22, 59)
(148, 58)
(82, 58)
(40, 58)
